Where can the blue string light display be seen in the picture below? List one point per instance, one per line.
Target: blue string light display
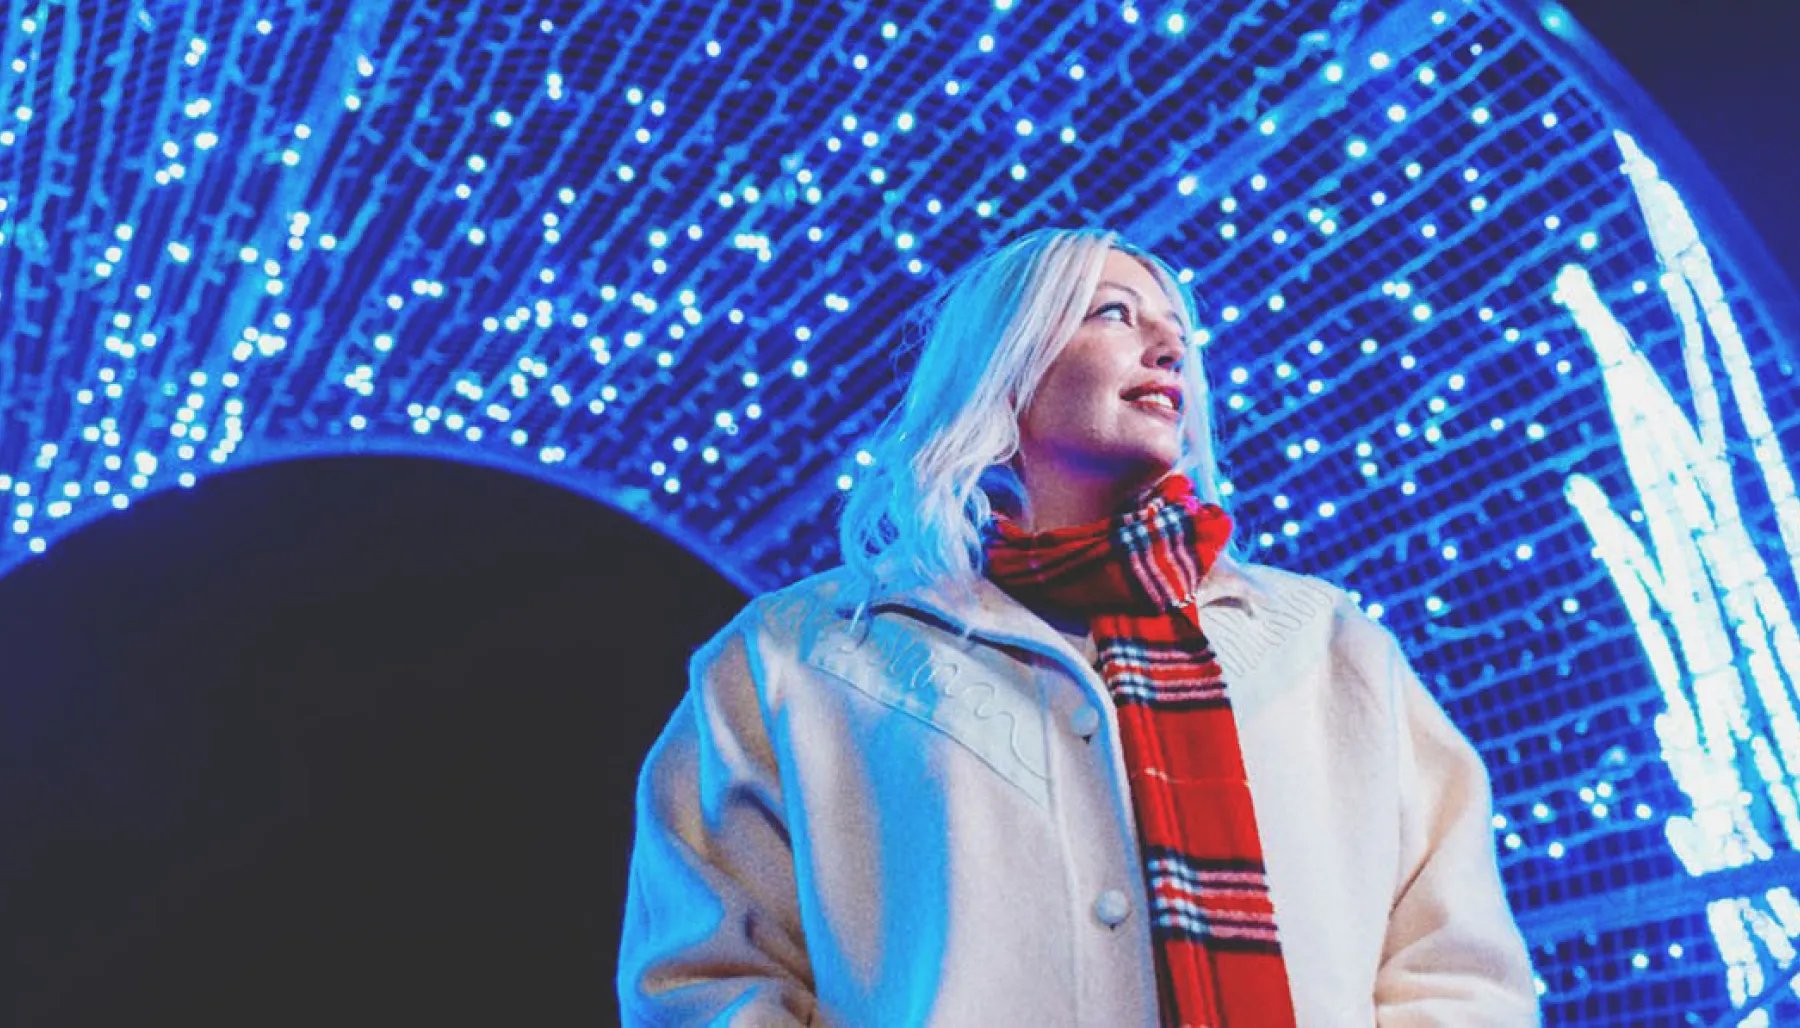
(1471, 353)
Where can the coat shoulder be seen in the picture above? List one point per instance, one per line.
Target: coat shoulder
(1281, 590)
(780, 620)
(1282, 595)
(824, 596)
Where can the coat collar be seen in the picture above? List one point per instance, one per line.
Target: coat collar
(985, 609)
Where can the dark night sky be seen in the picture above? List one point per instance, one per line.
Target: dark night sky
(354, 739)
(1725, 72)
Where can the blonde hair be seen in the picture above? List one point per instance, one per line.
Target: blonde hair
(942, 458)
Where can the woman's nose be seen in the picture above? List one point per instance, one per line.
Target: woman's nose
(1164, 350)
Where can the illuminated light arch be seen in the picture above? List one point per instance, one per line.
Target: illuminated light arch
(658, 253)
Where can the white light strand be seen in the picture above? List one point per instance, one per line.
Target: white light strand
(1703, 572)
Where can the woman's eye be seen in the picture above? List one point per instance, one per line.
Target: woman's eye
(1113, 312)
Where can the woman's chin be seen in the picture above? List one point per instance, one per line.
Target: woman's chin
(1132, 489)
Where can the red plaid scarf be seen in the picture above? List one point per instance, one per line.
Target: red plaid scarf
(1218, 958)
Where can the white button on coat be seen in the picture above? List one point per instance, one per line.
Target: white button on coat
(1085, 721)
(1112, 908)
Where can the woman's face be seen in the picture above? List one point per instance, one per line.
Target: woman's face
(1106, 420)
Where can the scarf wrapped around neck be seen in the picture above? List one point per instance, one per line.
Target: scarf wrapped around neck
(1134, 577)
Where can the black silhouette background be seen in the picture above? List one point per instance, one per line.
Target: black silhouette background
(333, 741)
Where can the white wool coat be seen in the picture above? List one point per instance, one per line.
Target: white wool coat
(924, 820)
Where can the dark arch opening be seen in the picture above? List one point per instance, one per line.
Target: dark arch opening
(343, 736)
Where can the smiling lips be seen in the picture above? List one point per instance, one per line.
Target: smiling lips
(1157, 397)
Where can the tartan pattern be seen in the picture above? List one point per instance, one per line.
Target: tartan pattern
(1212, 922)
(1226, 901)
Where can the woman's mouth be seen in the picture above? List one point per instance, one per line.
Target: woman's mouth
(1161, 400)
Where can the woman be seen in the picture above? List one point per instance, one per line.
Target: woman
(1043, 752)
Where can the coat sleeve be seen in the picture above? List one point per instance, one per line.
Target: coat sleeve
(712, 927)
(1453, 954)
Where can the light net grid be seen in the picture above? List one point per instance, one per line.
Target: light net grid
(659, 253)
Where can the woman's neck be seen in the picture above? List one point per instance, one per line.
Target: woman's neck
(1062, 501)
